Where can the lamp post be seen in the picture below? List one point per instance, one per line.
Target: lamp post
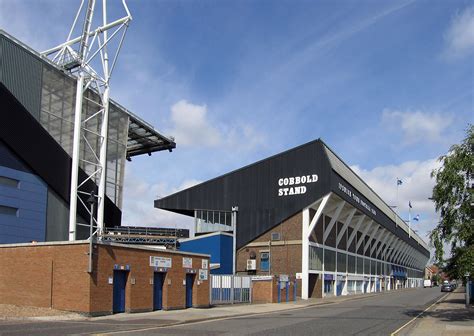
(91, 201)
(235, 209)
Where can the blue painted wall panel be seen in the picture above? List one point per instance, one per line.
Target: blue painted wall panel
(30, 198)
(218, 246)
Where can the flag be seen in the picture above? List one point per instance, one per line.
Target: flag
(417, 218)
(409, 204)
(399, 182)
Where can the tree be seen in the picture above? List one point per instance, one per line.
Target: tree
(453, 198)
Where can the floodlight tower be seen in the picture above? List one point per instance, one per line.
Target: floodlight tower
(86, 57)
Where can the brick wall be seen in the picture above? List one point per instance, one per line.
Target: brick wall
(285, 255)
(56, 276)
(266, 291)
(40, 276)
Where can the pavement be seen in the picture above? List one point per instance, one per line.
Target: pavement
(448, 316)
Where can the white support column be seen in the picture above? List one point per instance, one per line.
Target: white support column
(333, 221)
(344, 228)
(75, 158)
(308, 226)
(362, 238)
(305, 256)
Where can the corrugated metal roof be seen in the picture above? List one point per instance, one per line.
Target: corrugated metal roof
(350, 176)
(143, 138)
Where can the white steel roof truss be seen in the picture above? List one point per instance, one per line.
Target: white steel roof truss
(398, 258)
(319, 211)
(362, 238)
(401, 247)
(346, 225)
(375, 230)
(390, 237)
(377, 240)
(333, 221)
(396, 246)
(356, 229)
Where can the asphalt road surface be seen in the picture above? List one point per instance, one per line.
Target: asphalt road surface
(375, 315)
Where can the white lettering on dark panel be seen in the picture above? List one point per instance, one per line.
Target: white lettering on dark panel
(295, 185)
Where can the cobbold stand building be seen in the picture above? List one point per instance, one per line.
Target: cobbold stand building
(304, 214)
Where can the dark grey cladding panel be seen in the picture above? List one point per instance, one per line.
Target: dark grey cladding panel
(21, 73)
(255, 190)
(347, 192)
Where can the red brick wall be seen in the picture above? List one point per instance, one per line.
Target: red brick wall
(40, 276)
(266, 291)
(285, 255)
(56, 276)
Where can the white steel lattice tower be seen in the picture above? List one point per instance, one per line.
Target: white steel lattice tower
(87, 57)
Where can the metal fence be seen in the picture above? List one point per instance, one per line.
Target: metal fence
(228, 289)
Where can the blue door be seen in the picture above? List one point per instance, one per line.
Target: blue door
(120, 281)
(158, 291)
(189, 290)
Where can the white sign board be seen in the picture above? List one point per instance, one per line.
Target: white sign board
(284, 277)
(187, 262)
(299, 276)
(202, 274)
(205, 264)
(160, 262)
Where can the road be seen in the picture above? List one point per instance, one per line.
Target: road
(375, 315)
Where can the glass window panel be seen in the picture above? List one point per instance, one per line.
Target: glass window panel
(351, 264)
(330, 260)
(360, 265)
(341, 262)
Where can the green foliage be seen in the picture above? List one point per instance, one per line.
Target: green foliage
(452, 195)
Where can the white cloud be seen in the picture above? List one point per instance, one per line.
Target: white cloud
(191, 125)
(417, 187)
(460, 35)
(417, 126)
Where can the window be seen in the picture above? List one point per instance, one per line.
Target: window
(8, 182)
(276, 236)
(9, 211)
(315, 258)
(341, 262)
(329, 260)
(265, 261)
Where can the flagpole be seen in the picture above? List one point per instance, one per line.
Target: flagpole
(396, 215)
(409, 220)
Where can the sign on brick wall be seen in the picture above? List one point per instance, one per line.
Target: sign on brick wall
(187, 262)
(160, 262)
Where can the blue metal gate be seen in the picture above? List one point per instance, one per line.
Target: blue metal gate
(120, 282)
(189, 290)
(158, 291)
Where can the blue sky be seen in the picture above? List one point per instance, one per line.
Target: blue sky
(388, 85)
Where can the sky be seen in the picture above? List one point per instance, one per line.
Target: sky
(388, 85)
